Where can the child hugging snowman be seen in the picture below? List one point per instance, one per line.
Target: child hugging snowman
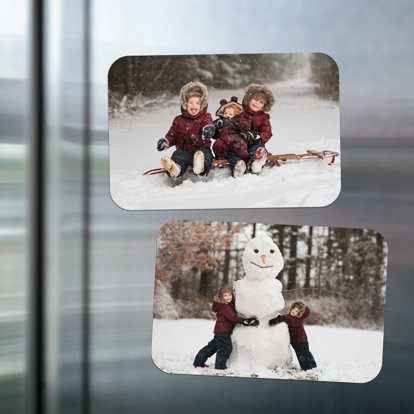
(226, 319)
(298, 338)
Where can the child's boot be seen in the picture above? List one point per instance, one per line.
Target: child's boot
(239, 169)
(259, 160)
(198, 162)
(172, 167)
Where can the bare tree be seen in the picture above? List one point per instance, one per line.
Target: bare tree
(309, 258)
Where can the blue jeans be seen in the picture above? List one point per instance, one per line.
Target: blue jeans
(184, 159)
(233, 158)
(221, 343)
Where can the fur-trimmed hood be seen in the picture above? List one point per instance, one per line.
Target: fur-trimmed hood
(194, 87)
(255, 89)
(219, 299)
(225, 104)
(300, 305)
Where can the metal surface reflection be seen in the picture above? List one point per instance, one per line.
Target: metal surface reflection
(113, 256)
(14, 216)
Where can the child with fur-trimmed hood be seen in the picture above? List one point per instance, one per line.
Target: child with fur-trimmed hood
(226, 319)
(229, 119)
(191, 133)
(298, 338)
(258, 100)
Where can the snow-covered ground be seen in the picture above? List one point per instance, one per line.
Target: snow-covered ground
(300, 121)
(342, 354)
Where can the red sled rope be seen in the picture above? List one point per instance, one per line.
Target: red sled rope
(155, 171)
(272, 159)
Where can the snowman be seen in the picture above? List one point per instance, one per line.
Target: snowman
(259, 294)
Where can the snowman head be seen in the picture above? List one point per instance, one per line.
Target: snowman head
(262, 258)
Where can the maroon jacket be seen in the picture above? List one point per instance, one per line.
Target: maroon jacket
(259, 123)
(230, 139)
(186, 130)
(226, 317)
(296, 330)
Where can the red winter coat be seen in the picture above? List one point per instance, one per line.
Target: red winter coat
(186, 130)
(296, 330)
(259, 123)
(226, 317)
(229, 138)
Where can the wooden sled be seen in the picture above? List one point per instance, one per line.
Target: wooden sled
(271, 159)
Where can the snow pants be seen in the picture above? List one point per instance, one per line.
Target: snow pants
(184, 159)
(221, 343)
(305, 358)
(234, 158)
(222, 148)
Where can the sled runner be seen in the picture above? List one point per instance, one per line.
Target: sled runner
(271, 159)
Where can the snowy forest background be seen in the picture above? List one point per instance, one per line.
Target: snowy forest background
(144, 82)
(339, 272)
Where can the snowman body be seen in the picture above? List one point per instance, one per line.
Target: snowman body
(259, 294)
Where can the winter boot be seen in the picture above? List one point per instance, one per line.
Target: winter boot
(172, 167)
(259, 160)
(198, 162)
(201, 366)
(239, 169)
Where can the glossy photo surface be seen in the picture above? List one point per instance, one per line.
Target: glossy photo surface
(269, 301)
(275, 137)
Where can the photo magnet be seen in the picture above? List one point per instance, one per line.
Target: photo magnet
(224, 131)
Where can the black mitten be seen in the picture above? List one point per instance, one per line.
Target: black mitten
(208, 132)
(162, 144)
(274, 321)
(247, 136)
(251, 322)
(256, 140)
(218, 123)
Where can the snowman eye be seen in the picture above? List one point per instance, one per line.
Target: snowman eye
(272, 251)
(256, 251)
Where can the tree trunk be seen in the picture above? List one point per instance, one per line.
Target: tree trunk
(309, 258)
(254, 231)
(204, 282)
(226, 264)
(281, 245)
(292, 268)
(377, 303)
(175, 288)
(226, 267)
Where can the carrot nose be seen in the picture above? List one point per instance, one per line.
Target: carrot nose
(264, 258)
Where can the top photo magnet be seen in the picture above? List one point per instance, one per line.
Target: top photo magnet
(224, 131)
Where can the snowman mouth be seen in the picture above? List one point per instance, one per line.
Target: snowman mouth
(261, 267)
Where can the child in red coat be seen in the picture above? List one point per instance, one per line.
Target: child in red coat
(258, 100)
(229, 119)
(298, 338)
(226, 319)
(191, 133)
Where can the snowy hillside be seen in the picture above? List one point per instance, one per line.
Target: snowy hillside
(300, 121)
(342, 355)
